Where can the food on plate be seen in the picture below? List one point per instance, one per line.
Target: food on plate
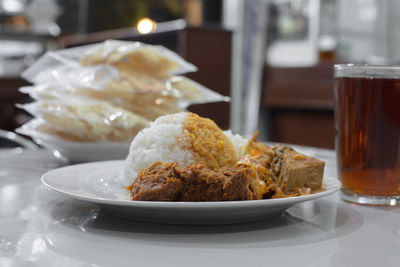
(183, 157)
(297, 170)
(182, 137)
(195, 182)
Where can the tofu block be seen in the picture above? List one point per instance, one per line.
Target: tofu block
(298, 170)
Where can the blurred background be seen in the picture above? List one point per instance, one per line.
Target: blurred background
(274, 58)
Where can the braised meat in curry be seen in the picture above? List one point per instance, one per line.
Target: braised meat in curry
(264, 172)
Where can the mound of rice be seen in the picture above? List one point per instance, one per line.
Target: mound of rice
(184, 138)
(238, 142)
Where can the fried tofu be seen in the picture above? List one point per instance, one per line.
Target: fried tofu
(298, 170)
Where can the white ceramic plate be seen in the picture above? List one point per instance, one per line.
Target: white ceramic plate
(86, 152)
(96, 183)
(76, 152)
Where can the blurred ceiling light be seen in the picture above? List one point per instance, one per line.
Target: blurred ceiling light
(146, 25)
(12, 6)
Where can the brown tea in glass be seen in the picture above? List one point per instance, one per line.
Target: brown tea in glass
(368, 133)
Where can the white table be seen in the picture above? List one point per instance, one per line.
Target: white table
(39, 227)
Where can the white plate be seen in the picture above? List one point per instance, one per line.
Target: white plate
(95, 182)
(76, 152)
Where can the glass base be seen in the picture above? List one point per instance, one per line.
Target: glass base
(369, 200)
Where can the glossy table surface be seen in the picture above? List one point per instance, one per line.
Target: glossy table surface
(39, 227)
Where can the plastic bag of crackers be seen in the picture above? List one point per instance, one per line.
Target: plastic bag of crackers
(107, 92)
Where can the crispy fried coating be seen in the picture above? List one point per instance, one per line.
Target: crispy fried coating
(208, 143)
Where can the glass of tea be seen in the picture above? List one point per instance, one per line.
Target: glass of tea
(368, 132)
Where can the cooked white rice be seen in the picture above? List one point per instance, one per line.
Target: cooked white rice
(162, 141)
(238, 141)
(165, 141)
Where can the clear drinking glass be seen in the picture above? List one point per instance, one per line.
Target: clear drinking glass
(368, 132)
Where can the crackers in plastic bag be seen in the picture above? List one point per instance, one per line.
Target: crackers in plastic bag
(181, 93)
(122, 67)
(110, 90)
(122, 56)
(88, 121)
(148, 106)
(156, 61)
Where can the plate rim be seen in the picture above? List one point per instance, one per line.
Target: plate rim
(332, 187)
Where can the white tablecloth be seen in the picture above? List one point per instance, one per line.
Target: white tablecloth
(39, 227)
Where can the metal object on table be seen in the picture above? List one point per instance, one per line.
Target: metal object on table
(16, 139)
